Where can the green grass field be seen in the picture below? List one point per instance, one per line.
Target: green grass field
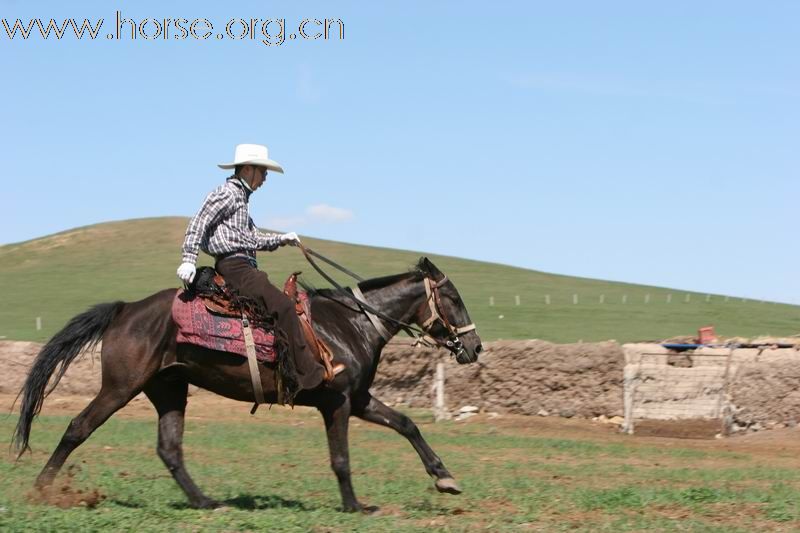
(272, 473)
(58, 276)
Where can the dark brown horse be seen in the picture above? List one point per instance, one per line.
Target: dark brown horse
(137, 335)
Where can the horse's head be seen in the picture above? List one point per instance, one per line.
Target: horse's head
(444, 317)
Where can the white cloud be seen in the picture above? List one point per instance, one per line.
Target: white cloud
(313, 214)
(328, 213)
(285, 223)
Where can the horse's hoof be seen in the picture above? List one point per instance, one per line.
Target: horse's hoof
(43, 482)
(448, 485)
(206, 503)
(363, 509)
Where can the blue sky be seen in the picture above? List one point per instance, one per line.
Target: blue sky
(631, 141)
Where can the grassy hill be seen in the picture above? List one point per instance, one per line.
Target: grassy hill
(58, 276)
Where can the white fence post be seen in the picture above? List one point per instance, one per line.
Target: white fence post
(491, 301)
(602, 298)
(647, 298)
(516, 299)
(575, 299)
(630, 381)
(669, 297)
(439, 409)
(38, 323)
(624, 298)
(547, 299)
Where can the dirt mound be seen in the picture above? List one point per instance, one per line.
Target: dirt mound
(765, 393)
(64, 495)
(525, 377)
(16, 358)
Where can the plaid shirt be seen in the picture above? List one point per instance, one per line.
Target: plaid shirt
(223, 225)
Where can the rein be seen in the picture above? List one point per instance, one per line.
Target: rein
(420, 334)
(308, 252)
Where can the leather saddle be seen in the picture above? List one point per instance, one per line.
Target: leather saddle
(219, 300)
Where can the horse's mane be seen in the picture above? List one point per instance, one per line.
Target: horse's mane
(415, 272)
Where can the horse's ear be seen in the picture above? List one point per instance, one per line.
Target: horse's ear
(428, 266)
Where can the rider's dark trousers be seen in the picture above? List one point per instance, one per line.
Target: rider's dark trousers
(241, 275)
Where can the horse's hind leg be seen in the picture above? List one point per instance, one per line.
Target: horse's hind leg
(376, 411)
(108, 401)
(169, 399)
(127, 366)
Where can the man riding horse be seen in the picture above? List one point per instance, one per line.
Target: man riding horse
(356, 323)
(223, 229)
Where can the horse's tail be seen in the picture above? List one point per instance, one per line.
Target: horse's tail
(62, 349)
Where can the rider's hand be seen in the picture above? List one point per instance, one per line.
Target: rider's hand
(290, 238)
(186, 272)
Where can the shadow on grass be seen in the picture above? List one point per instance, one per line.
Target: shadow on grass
(128, 505)
(255, 503)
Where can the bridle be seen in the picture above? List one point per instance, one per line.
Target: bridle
(433, 300)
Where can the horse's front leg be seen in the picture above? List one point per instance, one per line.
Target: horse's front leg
(375, 411)
(337, 421)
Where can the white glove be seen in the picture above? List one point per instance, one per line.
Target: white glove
(186, 272)
(290, 238)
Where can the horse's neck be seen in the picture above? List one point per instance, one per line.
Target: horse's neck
(399, 300)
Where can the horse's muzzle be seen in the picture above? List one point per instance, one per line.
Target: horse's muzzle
(463, 356)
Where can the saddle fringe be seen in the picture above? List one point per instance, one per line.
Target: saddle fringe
(221, 299)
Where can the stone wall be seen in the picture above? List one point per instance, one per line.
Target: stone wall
(525, 377)
(663, 385)
(765, 391)
(749, 387)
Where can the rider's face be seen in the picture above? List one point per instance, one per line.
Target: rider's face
(255, 176)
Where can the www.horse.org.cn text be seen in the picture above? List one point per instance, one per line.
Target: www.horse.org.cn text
(268, 31)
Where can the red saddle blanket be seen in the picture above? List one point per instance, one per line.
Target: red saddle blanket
(196, 325)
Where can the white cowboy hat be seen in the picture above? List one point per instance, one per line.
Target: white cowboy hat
(252, 154)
